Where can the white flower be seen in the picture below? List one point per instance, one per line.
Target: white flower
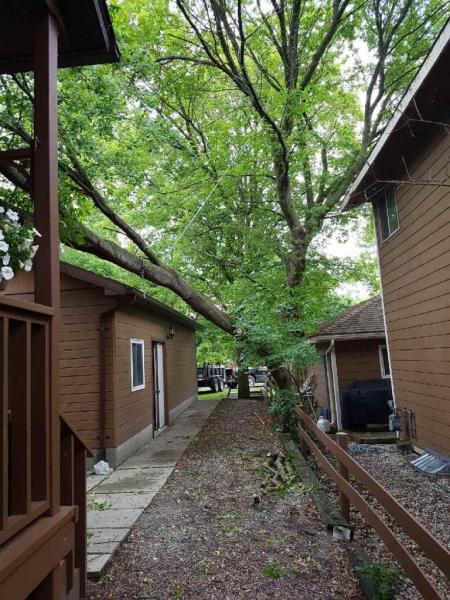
(12, 216)
(2, 237)
(7, 273)
(2, 210)
(4, 246)
(28, 265)
(33, 250)
(36, 232)
(6, 259)
(26, 244)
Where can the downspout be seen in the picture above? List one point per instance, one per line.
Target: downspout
(337, 396)
(330, 391)
(102, 327)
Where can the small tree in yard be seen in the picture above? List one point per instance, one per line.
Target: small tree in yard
(212, 158)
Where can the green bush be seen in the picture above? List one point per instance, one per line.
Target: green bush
(383, 577)
(282, 407)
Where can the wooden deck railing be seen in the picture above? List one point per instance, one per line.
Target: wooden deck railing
(428, 544)
(73, 493)
(24, 415)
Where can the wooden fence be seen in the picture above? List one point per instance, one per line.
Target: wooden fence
(428, 544)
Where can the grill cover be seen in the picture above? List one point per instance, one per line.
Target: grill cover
(364, 402)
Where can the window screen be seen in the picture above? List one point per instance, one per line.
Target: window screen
(387, 213)
(137, 364)
(384, 359)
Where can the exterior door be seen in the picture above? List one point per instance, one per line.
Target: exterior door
(158, 385)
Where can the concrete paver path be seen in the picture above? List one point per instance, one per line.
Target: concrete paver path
(131, 487)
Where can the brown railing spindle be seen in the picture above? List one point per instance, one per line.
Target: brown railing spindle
(20, 411)
(39, 412)
(4, 423)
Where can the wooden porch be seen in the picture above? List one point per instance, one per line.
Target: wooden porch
(42, 460)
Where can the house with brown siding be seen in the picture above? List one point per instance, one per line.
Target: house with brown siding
(407, 180)
(127, 364)
(352, 348)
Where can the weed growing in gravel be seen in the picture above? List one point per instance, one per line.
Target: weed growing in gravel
(310, 562)
(258, 471)
(176, 591)
(192, 471)
(273, 571)
(199, 494)
(226, 523)
(205, 565)
(384, 579)
(99, 505)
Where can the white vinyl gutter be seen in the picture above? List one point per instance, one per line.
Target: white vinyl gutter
(408, 96)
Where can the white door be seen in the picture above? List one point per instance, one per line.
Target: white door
(158, 385)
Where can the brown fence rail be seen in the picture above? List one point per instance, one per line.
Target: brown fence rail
(428, 544)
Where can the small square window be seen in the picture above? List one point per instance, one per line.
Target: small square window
(384, 362)
(137, 365)
(387, 213)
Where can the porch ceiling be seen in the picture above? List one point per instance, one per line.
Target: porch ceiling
(86, 34)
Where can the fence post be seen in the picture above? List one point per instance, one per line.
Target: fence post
(344, 504)
(303, 445)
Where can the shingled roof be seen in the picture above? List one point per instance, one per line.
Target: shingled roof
(362, 320)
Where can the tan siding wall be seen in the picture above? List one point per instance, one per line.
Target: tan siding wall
(135, 409)
(415, 273)
(358, 360)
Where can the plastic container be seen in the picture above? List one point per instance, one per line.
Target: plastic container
(324, 424)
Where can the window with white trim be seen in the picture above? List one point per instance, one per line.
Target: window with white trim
(137, 365)
(384, 362)
(387, 213)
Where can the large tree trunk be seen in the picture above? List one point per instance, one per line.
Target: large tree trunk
(243, 385)
(282, 378)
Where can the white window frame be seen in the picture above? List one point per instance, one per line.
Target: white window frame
(384, 375)
(135, 388)
(382, 204)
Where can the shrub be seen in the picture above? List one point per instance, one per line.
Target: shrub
(282, 407)
(383, 577)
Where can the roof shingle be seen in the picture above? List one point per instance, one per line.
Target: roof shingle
(363, 318)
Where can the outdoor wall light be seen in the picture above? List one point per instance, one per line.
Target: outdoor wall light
(171, 332)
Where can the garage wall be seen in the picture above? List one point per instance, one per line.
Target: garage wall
(135, 409)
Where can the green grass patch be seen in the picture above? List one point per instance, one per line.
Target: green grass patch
(99, 505)
(273, 571)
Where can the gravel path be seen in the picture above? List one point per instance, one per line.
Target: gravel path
(202, 537)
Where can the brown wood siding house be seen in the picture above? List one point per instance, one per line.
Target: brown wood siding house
(99, 318)
(411, 200)
(352, 347)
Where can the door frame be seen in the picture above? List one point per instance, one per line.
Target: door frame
(154, 341)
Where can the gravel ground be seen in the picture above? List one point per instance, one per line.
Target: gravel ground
(426, 498)
(202, 537)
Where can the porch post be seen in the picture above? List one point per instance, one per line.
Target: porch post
(46, 215)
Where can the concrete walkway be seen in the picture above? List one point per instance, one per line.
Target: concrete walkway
(115, 502)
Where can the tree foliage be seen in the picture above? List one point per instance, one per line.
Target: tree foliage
(206, 166)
